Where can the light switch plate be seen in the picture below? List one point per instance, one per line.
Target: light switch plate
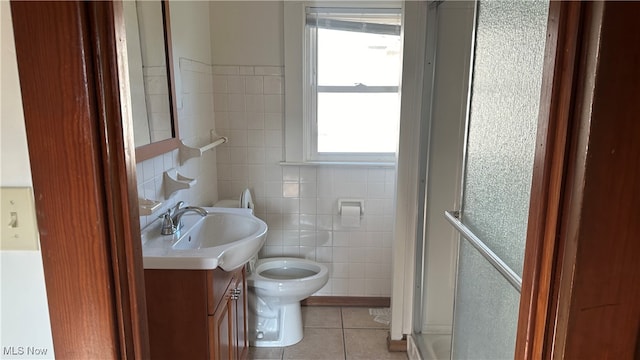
(18, 216)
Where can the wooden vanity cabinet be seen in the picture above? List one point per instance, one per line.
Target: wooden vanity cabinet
(228, 324)
(197, 314)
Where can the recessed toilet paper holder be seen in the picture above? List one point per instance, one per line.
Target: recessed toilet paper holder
(351, 202)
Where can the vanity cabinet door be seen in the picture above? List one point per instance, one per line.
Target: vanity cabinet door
(221, 331)
(177, 317)
(240, 316)
(228, 324)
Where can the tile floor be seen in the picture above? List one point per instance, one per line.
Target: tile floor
(335, 333)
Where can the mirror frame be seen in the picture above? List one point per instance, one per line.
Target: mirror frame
(154, 149)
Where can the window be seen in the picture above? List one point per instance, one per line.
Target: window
(350, 80)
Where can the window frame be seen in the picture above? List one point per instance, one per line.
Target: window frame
(301, 126)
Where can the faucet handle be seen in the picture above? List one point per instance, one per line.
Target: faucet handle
(168, 228)
(176, 207)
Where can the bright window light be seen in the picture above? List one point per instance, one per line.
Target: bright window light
(355, 74)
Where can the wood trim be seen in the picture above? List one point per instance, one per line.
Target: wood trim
(579, 298)
(573, 182)
(548, 171)
(108, 38)
(597, 308)
(83, 177)
(363, 301)
(397, 345)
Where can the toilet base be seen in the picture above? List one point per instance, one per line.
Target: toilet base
(277, 327)
(276, 287)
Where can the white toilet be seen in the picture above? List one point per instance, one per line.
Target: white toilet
(276, 287)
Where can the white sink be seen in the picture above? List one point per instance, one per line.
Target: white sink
(226, 237)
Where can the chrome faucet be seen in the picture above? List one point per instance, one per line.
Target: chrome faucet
(177, 214)
(167, 224)
(177, 206)
(172, 219)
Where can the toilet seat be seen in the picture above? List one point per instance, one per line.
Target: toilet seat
(287, 275)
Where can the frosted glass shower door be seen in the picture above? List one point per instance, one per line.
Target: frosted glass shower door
(501, 131)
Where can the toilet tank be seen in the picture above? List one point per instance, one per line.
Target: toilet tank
(245, 201)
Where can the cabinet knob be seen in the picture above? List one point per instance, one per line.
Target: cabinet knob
(237, 291)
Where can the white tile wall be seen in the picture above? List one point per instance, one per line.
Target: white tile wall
(299, 203)
(196, 120)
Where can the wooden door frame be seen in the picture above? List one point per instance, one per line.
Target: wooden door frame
(580, 281)
(556, 102)
(595, 308)
(72, 75)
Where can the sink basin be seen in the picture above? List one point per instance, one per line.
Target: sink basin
(218, 228)
(226, 237)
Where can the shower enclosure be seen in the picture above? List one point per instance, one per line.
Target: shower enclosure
(491, 206)
(449, 29)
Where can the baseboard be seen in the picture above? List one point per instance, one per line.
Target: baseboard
(347, 301)
(397, 345)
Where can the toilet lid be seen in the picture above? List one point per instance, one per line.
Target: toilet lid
(246, 201)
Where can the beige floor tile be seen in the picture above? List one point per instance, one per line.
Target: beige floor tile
(318, 343)
(265, 353)
(359, 318)
(369, 344)
(321, 317)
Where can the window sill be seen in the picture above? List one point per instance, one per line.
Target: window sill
(341, 164)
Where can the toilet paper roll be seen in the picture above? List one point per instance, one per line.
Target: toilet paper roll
(350, 216)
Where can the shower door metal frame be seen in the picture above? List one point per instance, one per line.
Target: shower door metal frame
(423, 161)
(428, 84)
(465, 143)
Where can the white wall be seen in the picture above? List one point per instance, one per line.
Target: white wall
(407, 220)
(191, 40)
(247, 32)
(299, 203)
(24, 314)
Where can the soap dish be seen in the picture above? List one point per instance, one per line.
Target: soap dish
(172, 182)
(148, 207)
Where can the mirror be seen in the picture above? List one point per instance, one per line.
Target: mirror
(151, 79)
